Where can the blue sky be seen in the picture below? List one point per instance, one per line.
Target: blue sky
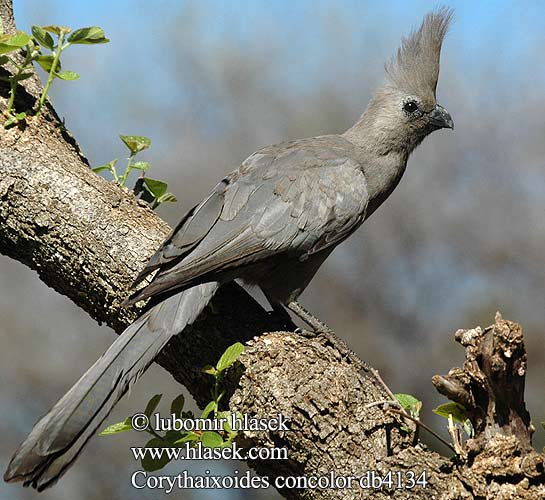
(138, 59)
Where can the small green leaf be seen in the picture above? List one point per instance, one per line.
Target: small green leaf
(67, 75)
(141, 165)
(46, 62)
(92, 34)
(210, 370)
(154, 187)
(110, 166)
(177, 405)
(150, 464)
(43, 37)
(227, 443)
(10, 121)
(406, 400)
(190, 436)
(543, 424)
(3, 60)
(211, 439)
(14, 119)
(136, 143)
(209, 408)
(56, 29)
(167, 197)
(409, 403)
(117, 428)
(230, 355)
(223, 414)
(9, 43)
(458, 412)
(152, 404)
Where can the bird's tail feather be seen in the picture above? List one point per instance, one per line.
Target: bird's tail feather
(58, 437)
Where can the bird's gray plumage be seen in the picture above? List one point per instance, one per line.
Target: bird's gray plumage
(415, 68)
(270, 223)
(59, 436)
(291, 200)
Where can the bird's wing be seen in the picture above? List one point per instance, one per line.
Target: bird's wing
(290, 200)
(188, 233)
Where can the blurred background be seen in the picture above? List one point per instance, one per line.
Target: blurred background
(210, 82)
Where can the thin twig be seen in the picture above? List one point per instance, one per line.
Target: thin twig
(376, 374)
(401, 411)
(424, 426)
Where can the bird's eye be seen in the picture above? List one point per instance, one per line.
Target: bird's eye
(410, 107)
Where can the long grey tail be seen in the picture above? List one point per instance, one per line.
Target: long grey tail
(57, 439)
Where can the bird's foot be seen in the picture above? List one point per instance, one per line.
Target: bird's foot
(317, 326)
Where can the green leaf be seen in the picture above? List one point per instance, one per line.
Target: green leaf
(209, 408)
(141, 165)
(92, 34)
(458, 412)
(154, 187)
(543, 424)
(177, 405)
(46, 62)
(136, 143)
(211, 439)
(56, 29)
(230, 355)
(9, 43)
(406, 400)
(167, 197)
(150, 464)
(67, 75)
(410, 403)
(10, 121)
(110, 166)
(223, 414)
(210, 370)
(190, 436)
(3, 60)
(152, 404)
(43, 37)
(117, 428)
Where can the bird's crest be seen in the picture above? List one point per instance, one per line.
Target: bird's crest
(415, 68)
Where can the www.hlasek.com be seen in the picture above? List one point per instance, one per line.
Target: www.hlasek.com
(141, 479)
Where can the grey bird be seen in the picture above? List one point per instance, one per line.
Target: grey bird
(271, 223)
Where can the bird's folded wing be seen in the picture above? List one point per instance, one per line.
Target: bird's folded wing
(292, 202)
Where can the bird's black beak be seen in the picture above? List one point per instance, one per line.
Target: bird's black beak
(440, 118)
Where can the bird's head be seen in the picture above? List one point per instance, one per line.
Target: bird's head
(404, 110)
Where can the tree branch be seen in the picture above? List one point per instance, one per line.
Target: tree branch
(88, 239)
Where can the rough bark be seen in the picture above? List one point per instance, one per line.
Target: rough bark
(88, 238)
